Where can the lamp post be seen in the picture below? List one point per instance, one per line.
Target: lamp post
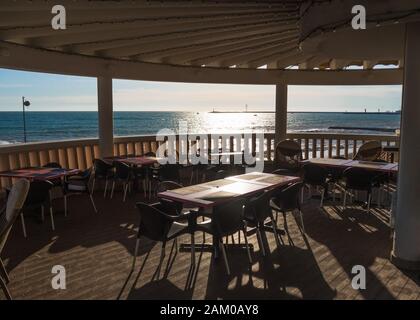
(25, 103)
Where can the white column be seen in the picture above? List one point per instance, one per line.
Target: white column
(105, 117)
(406, 251)
(281, 113)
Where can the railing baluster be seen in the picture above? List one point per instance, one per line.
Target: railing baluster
(23, 160)
(43, 158)
(306, 148)
(330, 148)
(322, 148)
(354, 148)
(63, 158)
(81, 160)
(338, 148)
(71, 155)
(34, 159)
(314, 148)
(53, 155)
(14, 161)
(346, 148)
(4, 166)
(88, 150)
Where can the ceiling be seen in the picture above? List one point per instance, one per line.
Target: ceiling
(240, 34)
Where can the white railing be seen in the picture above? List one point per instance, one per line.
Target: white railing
(81, 153)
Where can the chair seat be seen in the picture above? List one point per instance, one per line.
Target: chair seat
(109, 175)
(344, 185)
(251, 221)
(249, 215)
(275, 205)
(77, 185)
(176, 229)
(207, 226)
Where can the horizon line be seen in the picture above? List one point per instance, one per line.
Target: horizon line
(209, 111)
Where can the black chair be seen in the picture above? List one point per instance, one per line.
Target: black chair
(102, 171)
(52, 165)
(226, 220)
(167, 172)
(380, 180)
(58, 183)
(216, 174)
(257, 211)
(358, 179)
(144, 173)
(141, 174)
(315, 176)
(78, 184)
(287, 200)
(157, 225)
(123, 174)
(149, 169)
(335, 175)
(170, 207)
(38, 197)
(369, 151)
(8, 216)
(288, 155)
(199, 169)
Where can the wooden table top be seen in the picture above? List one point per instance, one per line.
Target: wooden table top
(346, 163)
(134, 161)
(39, 173)
(211, 193)
(376, 166)
(328, 162)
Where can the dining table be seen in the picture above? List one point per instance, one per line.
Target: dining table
(136, 161)
(209, 194)
(205, 196)
(39, 173)
(385, 167)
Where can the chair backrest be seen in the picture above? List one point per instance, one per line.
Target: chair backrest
(168, 185)
(288, 155)
(38, 193)
(216, 174)
(170, 207)
(154, 223)
(150, 154)
(170, 172)
(228, 218)
(260, 205)
(358, 178)
(286, 172)
(122, 170)
(101, 167)
(314, 174)
(369, 151)
(15, 201)
(52, 165)
(289, 197)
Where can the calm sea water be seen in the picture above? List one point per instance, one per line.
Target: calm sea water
(42, 126)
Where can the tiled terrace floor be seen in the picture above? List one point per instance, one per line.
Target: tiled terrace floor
(96, 250)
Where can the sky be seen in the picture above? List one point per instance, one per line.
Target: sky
(48, 92)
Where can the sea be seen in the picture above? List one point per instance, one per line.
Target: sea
(46, 126)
